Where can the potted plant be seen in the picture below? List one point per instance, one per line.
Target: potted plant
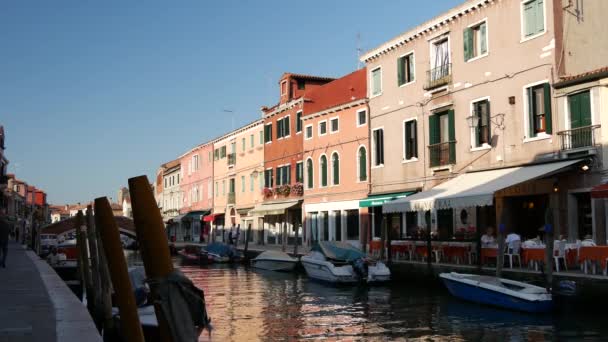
(267, 192)
(298, 189)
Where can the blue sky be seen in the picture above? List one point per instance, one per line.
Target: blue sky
(92, 93)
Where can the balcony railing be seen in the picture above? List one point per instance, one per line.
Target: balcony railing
(231, 198)
(442, 153)
(578, 137)
(438, 76)
(231, 159)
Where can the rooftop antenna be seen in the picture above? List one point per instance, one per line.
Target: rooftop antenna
(358, 50)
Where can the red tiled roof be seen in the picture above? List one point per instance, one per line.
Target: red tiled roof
(341, 91)
(589, 75)
(306, 77)
(171, 164)
(70, 224)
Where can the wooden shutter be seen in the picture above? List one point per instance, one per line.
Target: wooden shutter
(362, 164)
(286, 126)
(483, 32)
(529, 19)
(547, 105)
(323, 171)
(381, 145)
(335, 165)
(585, 108)
(452, 136)
(410, 68)
(415, 138)
(468, 43)
(476, 115)
(433, 129)
(489, 125)
(376, 82)
(401, 70)
(531, 132)
(309, 173)
(539, 16)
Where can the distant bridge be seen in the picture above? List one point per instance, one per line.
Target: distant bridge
(125, 225)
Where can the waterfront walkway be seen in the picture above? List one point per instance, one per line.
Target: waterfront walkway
(36, 305)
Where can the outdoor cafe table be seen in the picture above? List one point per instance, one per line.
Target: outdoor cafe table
(488, 252)
(453, 250)
(375, 245)
(594, 254)
(532, 254)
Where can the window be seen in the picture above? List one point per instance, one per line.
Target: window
(442, 134)
(334, 125)
(251, 182)
(361, 117)
(268, 178)
(378, 146)
(309, 173)
(194, 164)
(261, 179)
(242, 183)
(286, 126)
(268, 133)
(166, 183)
(283, 87)
(209, 157)
(232, 185)
(299, 122)
(283, 127)
(579, 107)
(481, 115)
(223, 152)
(308, 133)
(216, 154)
(279, 128)
(376, 82)
(299, 172)
(440, 58)
(209, 190)
(475, 41)
(284, 175)
(539, 109)
(410, 140)
(217, 192)
(251, 141)
(533, 18)
(405, 69)
(262, 136)
(233, 148)
(322, 127)
(301, 85)
(243, 144)
(224, 188)
(323, 167)
(362, 164)
(335, 168)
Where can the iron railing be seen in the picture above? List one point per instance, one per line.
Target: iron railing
(442, 153)
(231, 198)
(580, 137)
(438, 76)
(231, 159)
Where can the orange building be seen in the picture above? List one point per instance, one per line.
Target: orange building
(283, 168)
(336, 167)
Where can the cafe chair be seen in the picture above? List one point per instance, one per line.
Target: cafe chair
(559, 252)
(513, 252)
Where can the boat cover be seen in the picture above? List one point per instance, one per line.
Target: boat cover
(338, 251)
(221, 249)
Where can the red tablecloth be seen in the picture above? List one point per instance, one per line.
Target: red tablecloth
(399, 248)
(571, 257)
(487, 253)
(451, 252)
(375, 245)
(596, 253)
(532, 254)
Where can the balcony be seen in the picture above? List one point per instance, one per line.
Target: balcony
(442, 154)
(578, 138)
(439, 76)
(231, 159)
(231, 198)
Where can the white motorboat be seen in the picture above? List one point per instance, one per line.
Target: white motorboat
(339, 262)
(274, 261)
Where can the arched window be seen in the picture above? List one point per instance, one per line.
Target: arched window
(362, 160)
(335, 168)
(323, 170)
(309, 174)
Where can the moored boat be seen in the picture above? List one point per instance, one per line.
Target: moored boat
(339, 262)
(499, 292)
(221, 253)
(274, 261)
(192, 255)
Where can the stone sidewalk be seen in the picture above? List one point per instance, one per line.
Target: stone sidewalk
(36, 305)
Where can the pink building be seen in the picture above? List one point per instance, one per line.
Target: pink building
(197, 191)
(336, 172)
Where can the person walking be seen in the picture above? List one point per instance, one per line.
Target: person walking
(4, 231)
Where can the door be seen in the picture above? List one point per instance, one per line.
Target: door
(580, 116)
(445, 224)
(338, 225)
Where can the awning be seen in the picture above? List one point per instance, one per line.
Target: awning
(244, 211)
(273, 208)
(211, 217)
(472, 189)
(177, 218)
(378, 200)
(600, 191)
(195, 215)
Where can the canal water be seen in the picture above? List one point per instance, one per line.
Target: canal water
(250, 305)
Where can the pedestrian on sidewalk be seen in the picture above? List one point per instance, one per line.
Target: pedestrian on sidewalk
(4, 230)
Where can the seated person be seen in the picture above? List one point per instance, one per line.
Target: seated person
(53, 257)
(488, 239)
(532, 242)
(511, 239)
(588, 242)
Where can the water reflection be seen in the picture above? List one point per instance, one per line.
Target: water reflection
(248, 305)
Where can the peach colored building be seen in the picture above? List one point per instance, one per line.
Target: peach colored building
(196, 187)
(336, 168)
(237, 179)
(283, 168)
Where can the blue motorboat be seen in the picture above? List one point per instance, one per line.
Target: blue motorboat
(499, 292)
(221, 253)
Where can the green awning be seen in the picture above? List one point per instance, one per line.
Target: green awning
(195, 215)
(378, 200)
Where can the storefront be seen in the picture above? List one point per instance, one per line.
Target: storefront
(281, 219)
(335, 221)
(396, 221)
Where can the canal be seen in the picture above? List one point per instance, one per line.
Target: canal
(250, 305)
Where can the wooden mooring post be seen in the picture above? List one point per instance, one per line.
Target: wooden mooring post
(110, 235)
(83, 255)
(152, 241)
(105, 294)
(247, 235)
(94, 255)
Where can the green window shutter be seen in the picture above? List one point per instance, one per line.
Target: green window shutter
(531, 132)
(335, 168)
(585, 108)
(539, 16)
(468, 43)
(452, 136)
(401, 71)
(298, 122)
(415, 139)
(529, 20)
(433, 129)
(376, 82)
(484, 38)
(476, 113)
(489, 126)
(547, 105)
(286, 126)
(323, 171)
(309, 173)
(410, 68)
(362, 164)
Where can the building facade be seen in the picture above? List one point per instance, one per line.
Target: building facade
(474, 90)
(335, 161)
(172, 199)
(283, 165)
